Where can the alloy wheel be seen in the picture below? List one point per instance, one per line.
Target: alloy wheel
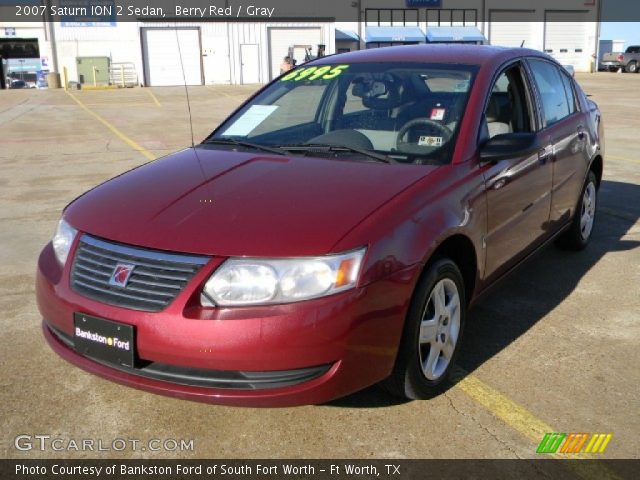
(588, 212)
(439, 329)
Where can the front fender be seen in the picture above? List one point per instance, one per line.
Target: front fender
(410, 227)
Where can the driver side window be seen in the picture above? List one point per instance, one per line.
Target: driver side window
(508, 109)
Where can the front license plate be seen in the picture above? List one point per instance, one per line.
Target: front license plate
(104, 340)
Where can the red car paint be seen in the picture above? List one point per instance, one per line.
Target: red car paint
(222, 203)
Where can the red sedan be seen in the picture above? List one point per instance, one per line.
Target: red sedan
(331, 233)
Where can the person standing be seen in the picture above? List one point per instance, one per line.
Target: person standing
(286, 65)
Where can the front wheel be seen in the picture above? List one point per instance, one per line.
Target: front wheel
(579, 233)
(432, 333)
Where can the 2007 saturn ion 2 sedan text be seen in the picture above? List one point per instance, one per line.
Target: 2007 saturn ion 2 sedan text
(331, 233)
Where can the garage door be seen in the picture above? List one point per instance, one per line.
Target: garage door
(504, 33)
(162, 56)
(280, 39)
(566, 38)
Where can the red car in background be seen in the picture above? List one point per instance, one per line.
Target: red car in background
(331, 233)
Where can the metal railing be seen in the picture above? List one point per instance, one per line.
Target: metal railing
(123, 74)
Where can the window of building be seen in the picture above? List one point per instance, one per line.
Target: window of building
(387, 17)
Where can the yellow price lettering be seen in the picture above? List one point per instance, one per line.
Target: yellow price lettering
(306, 73)
(314, 73)
(291, 75)
(320, 72)
(335, 72)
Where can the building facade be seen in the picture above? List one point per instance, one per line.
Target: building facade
(153, 52)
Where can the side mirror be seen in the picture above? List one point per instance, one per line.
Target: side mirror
(509, 145)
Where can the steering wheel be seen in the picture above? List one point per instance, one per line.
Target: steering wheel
(429, 127)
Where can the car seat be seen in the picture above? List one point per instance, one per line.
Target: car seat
(498, 114)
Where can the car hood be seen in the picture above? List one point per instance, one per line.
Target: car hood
(221, 202)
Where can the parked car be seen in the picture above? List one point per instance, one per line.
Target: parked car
(15, 84)
(332, 233)
(41, 79)
(570, 70)
(628, 61)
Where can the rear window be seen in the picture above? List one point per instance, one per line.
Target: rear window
(450, 82)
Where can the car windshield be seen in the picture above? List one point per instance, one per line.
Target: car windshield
(394, 112)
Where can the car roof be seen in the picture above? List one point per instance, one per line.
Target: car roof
(435, 53)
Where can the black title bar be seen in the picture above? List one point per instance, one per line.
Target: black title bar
(105, 13)
(329, 469)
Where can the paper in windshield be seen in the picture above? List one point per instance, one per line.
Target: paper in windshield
(249, 120)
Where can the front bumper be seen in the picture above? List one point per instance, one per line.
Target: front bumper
(303, 353)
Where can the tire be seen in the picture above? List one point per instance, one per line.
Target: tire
(579, 233)
(432, 334)
(632, 67)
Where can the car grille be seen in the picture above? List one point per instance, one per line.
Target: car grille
(156, 280)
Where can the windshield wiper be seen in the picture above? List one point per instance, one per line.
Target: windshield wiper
(240, 143)
(306, 147)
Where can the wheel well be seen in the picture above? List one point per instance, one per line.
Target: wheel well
(596, 168)
(460, 250)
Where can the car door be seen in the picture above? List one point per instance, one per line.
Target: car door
(518, 188)
(566, 127)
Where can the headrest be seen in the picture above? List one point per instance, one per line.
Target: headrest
(493, 109)
(380, 92)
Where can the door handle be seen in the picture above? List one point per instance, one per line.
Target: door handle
(581, 132)
(499, 183)
(543, 155)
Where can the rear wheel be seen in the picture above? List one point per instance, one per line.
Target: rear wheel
(632, 67)
(432, 333)
(579, 233)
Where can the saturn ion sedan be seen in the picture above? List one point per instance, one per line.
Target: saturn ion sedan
(332, 233)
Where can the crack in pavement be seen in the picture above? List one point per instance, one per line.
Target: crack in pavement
(482, 426)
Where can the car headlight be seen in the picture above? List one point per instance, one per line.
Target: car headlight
(257, 281)
(62, 241)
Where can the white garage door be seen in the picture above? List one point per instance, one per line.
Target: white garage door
(280, 39)
(566, 38)
(504, 33)
(162, 56)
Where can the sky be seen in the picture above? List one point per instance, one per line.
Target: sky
(621, 10)
(627, 31)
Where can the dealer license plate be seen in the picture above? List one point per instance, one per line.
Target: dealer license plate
(104, 340)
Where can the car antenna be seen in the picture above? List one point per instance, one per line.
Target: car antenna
(186, 88)
(522, 44)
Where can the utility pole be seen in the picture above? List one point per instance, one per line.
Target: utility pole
(359, 7)
(596, 62)
(51, 32)
(2, 81)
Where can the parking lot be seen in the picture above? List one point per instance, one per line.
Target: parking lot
(556, 348)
